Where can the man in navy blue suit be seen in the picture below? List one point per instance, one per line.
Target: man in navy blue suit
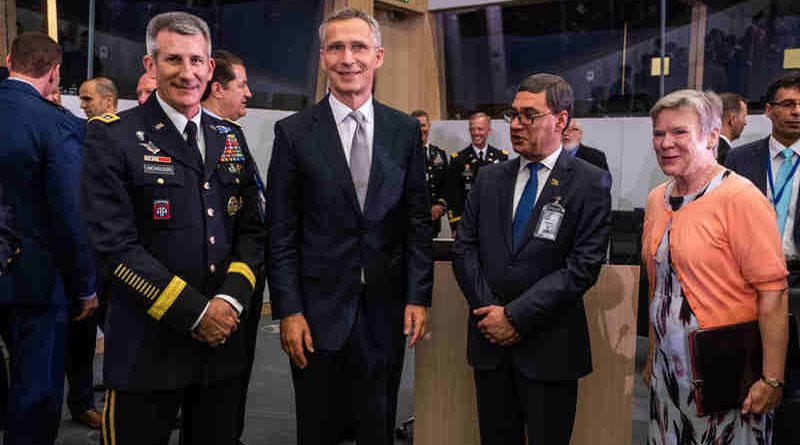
(40, 170)
(350, 254)
(531, 242)
(770, 163)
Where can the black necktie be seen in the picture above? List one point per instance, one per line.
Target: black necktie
(191, 139)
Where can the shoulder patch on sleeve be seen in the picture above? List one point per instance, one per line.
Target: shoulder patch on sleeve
(106, 118)
(238, 125)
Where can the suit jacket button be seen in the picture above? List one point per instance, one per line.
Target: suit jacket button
(160, 181)
(212, 268)
(212, 240)
(210, 212)
(207, 186)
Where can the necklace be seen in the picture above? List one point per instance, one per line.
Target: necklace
(706, 179)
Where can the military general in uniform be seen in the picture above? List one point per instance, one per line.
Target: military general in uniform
(464, 166)
(174, 216)
(435, 171)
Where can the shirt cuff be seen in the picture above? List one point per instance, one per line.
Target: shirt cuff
(88, 297)
(233, 302)
(202, 314)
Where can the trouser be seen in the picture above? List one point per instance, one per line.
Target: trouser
(250, 333)
(208, 415)
(510, 404)
(355, 380)
(81, 342)
(35, 338)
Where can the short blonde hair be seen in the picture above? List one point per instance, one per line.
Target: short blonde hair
(707, 105)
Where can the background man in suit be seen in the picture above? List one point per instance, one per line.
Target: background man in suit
(350, 253)
(464, 165)
(734, 119)
(531, 242)
(226, 98)
(98, 96)
(435, 171)
(40, 163)
(573, 144)
(173, 209)
(771, 164)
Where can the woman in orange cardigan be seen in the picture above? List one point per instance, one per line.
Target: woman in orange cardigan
(713, 258)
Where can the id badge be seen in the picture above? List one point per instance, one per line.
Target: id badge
(550, 220)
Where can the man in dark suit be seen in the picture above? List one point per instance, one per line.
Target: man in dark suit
(350, 254)
(435, 171)
(464, 166)
(573, 144)
(40, 163)
(734, 119)
(771, 164)
(531, 242)
(172, 202)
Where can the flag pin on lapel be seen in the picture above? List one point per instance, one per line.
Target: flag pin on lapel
(159, 126)
(554, 181)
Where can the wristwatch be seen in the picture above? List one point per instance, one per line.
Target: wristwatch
(775, 383)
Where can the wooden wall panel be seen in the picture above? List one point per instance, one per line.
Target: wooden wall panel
(8, 27)
(409, 78)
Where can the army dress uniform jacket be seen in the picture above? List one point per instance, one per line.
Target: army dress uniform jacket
(169, 232)
(461, 174)
(435, 173)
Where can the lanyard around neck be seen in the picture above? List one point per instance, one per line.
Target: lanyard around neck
(776, 197)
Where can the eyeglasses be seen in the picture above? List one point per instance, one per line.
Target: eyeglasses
(786, 104)
(524, 118)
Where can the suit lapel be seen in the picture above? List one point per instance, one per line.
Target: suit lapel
(215, 143)
(506, 193)
(556, 185)
(330, 144)
(381, 154)
(758, 174)
(165, 137)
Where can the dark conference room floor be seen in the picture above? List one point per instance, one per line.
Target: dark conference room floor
(270, 410)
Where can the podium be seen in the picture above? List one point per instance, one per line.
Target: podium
(444, 391)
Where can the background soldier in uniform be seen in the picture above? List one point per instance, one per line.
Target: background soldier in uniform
(435, 171)
(173, 210)
(465, 164)
(226, 98)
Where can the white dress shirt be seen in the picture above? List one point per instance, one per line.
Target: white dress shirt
(347, 127)
(542, 175)
(775, 148)
(180, 121)
(481, 152)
